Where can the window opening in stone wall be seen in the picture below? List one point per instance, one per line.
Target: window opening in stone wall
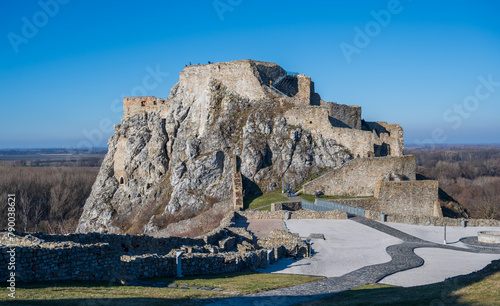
(121, 180)
(143, 103)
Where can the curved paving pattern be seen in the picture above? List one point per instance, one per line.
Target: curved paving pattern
(403, 258)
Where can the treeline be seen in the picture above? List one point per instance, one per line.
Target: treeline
(48, 199)
(470, 174)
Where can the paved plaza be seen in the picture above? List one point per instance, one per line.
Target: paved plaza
(358, 251)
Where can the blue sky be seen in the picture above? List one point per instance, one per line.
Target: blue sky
(433, 67)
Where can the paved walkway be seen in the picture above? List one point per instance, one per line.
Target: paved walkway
(402, 256)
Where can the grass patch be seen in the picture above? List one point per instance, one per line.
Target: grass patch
(263, 200)
(104, 293)
(93, 293)
(311, 198)
(481, 289)
(243, 282)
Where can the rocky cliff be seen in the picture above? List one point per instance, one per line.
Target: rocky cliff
(170, 160)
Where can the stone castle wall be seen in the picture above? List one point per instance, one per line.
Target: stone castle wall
(306, 89)
(242, 77)
(137, 105)
(341, 115)
(361, 176)
(417, 198)
(317, 119)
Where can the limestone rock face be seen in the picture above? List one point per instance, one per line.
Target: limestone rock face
(174, 161)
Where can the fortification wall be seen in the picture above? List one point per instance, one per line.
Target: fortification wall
(137, 105)
(119, 161)
(242, 77)
(345, 116)
(359, 177)
(360, 142)
(417, 198)
(306, 89)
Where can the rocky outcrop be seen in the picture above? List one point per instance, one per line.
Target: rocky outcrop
(174, 160)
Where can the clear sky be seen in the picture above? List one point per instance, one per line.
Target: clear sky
(431, 66)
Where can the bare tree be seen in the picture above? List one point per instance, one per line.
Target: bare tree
(38, 211)
(25, 204)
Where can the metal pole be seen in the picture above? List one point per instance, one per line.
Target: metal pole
(178, 263)
(444, 233)
(269, 257)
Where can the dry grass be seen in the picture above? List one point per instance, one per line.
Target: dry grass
(92, 293)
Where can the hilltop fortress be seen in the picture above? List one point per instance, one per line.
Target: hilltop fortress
(233, 129)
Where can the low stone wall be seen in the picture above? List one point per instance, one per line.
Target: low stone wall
(299, 214)
(286, 205)
(436, 221)
(100, 257)
(283, 243)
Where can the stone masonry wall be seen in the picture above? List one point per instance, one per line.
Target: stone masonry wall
(347, 116)
(237, 187)
(425, 220)
(359, 177)
(136, 105)
(299, 214)
(101, 257)
(304, 85)
(286, 205)
(417, 198)
(360, 142)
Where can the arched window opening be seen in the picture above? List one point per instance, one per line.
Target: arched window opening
(121, 180)
(143, 103)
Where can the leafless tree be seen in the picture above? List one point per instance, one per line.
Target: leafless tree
(25, 204)
(38, 211)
